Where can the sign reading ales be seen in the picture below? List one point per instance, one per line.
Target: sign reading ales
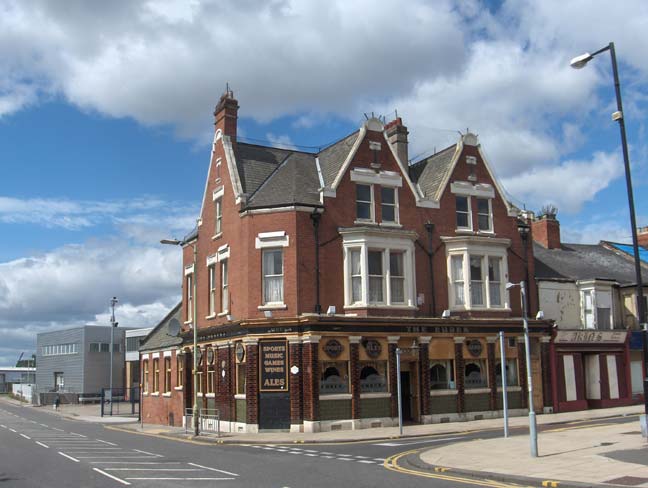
(273, 363)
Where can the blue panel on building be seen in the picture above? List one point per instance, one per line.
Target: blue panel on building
(636, 340)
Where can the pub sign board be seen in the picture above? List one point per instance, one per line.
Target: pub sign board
(273, 365)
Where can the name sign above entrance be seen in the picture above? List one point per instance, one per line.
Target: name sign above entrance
(591, 336)
(273, 365)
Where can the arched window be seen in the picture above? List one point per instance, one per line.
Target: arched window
(334, 377)
(366, 372)
(475, 375)
(331, 371)
(373, 377)
(438, 377)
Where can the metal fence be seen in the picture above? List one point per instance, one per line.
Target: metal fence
(123, 402)
(209, 420)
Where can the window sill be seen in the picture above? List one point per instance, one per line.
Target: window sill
(239, 396)
(510, 388)
(212, 316)
(155, 394)
(178, 388)
(336, 396)
(443, 392)
(462, 308)
(145, 393)
(475, 391)
(356, 306)
(377, 394)
(217, 236)
(364, 222)
(394, 225)
(199, 394)
(222, 314)
(485, 232)
(167, 394)
(188, 322)
(210, 395)
(273, 306)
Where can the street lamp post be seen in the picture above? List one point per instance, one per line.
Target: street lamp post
(533, 433)
(113, 324)
(578, 63)
(195, 414)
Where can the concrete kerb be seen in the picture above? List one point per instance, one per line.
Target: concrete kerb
(414, 461)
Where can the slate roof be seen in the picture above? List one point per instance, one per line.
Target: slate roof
(629, 251)
(159, 337)
(332, 157)
(583, 262)
(430, 172)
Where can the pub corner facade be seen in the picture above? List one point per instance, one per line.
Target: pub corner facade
(308, 270)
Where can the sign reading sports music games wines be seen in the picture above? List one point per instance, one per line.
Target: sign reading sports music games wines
(273, 365)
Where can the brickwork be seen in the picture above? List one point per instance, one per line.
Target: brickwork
(160, 408)
(375, 407)
(460, 369)
(252, 383)
(546, 232)
(295, 382)
(424, 358)
(393, 379)
(523, 374)
(354, 370)
(310, 352)
(223, 391)
(490, 346)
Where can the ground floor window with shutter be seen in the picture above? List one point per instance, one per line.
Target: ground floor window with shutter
(334, 377)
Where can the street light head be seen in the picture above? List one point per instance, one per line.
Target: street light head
(540, 315)
(172, 242)
(510, 285)
(580, 61)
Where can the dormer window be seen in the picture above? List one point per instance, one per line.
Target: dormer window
(364, 202)
(464, 219)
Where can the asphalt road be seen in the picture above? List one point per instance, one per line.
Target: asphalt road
(40, 449)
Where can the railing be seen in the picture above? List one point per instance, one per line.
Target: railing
(209, 420)
(123, 402)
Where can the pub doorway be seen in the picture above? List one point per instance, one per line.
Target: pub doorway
(406, 396)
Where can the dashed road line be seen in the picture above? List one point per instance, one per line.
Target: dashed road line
(180, 479)
(106, 442)
(41, 444)
(149, 453)
(25, 436)
(69, 457)
(212, 469)
(123, 482)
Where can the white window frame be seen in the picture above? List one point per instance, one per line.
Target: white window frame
(491, 228)
(372, 203)
(475, 246)
(189, 277)
(396, 221)
(264, 276)
(470, 216)
(211, 274)
(224, 272)
(366, 241)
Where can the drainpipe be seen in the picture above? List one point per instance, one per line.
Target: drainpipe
(315, 217)
(429, 227)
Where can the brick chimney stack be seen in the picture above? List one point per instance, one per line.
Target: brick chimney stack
(642, 236)
(397, 137)
(546, 231)
(226, 114)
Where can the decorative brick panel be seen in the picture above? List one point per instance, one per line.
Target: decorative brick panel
(310, 358)
(223, 391)
(424, 359)
(490, 349)
(460, 371)
(252, 384)
(295, 382)
(545, 356)
(523, 374)
(393, 380)
(354, 366)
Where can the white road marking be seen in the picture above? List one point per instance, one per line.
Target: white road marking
(111, 476)
(106, 442)
(79, 435)
(367, 462)
(212, 469)
(382, 460)
(56, 428)
(182, 479)
(344, 455)
(427, 441)
(25, 436)
(41, 444)
(150, 453)
(127, 462)
(152, 469)
(361, 457)
(3, 426)
(44, 425)
(327, 453)
(311, 455)
(69, 457)
(310, 450)
(115, 457)
(344, 459)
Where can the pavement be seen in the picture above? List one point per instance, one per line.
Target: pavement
(86, 413)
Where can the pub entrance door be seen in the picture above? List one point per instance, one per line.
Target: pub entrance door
(406, 396)
(274, 397)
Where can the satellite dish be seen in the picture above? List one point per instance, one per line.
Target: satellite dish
(174, 327)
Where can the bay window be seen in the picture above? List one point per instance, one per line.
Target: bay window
(272, 276)
(456, 264)
(476, 281)
(379, 271)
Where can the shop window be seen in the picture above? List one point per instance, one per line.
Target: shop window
(475, 374)
(167, 375)
(180, 358)
(511, 373)
(442, 375)
(334, 377)
(241, 371)
(373, 377)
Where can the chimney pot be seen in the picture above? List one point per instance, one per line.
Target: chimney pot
(546, 232)
(226, 114)
(397, 137)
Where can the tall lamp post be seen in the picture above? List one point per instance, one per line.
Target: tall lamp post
(113, 324)
(195, 407)
(579, 62)
(533, 432)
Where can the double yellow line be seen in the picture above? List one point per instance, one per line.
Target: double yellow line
(391, 463)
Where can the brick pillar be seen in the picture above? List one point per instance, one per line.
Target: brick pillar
(424, 367)
(252, 381)
(545, 357)
(295, 382)
(222, 392)
(310, 360)
(393, 381)
(460, 373)
(490, 350)
(354, 366)
(230, 376)
(523, 372)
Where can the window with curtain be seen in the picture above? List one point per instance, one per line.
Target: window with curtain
(458, 279)
(373, 376)
(376, 277)
(224, 287)
(334, 377)
(511, 373)
(212, 289)
(364, 202)
(442, 374)
(463, 212)
(388, 205)
(476, 280)
(495, 281)
(356, 276)
(272, 276)
(475, 374)
(397, 277)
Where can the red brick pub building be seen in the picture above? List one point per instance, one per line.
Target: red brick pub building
(311, 269)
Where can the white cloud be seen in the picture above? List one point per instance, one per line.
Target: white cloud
(568, 185)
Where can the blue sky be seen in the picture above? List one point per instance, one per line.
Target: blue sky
(106, 121)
